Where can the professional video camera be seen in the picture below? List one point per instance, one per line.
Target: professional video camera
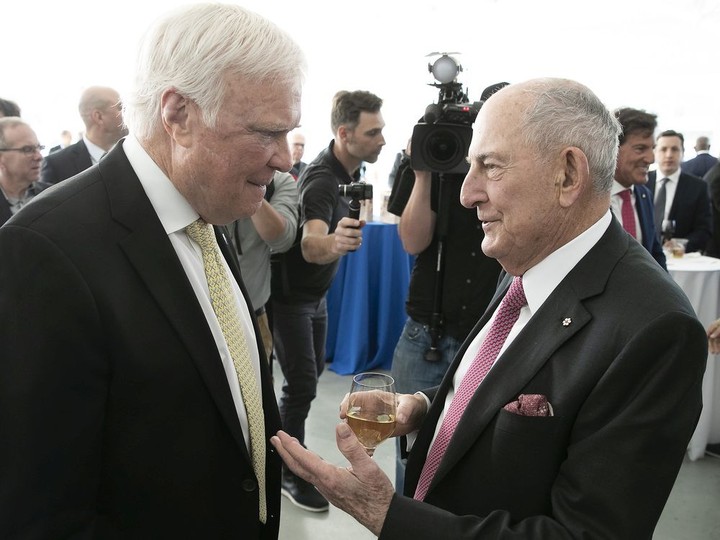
(441, 139)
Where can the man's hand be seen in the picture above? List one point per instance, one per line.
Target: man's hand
(348, 235)
(362, 489)
(411, 410)
(713, 333)
(320, 247)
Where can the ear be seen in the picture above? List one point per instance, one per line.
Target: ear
(573, 176)
(178, 114)
(97, 117)
(342, 133)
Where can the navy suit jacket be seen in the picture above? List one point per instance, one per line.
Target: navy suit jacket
(623, 372)
(646, 216)
(65, 163)
(116, 416)
(699, 165)
(690, 209)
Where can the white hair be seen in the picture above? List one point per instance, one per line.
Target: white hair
(194, 51)
(566, 113)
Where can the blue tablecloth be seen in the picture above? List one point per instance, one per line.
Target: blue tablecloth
(366, 302)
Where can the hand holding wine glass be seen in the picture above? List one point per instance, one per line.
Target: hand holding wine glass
(668, 230)
(371, 410)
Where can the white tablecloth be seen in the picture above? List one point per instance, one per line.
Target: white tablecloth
(699, 277)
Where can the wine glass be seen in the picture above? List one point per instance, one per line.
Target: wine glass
(371, 409)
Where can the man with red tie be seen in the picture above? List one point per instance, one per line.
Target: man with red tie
(632, 201)
(568, 409)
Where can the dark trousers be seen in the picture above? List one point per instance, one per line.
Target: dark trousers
(299, 333)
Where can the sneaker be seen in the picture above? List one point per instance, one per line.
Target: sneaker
(303, 494)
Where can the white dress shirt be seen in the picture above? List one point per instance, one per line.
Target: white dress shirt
(670, 189)
(538, 283)
(175, 213)
(96, 153)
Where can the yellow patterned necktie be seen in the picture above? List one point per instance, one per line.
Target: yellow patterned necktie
(223, 302)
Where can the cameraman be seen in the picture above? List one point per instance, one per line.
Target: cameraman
(304, 274)
(468, 278)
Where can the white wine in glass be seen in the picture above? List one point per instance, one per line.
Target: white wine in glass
(371, 408)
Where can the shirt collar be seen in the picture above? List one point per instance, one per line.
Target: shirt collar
(172, 208)
(617, 187)
(674, 177)
(543, 278)
(93, 149)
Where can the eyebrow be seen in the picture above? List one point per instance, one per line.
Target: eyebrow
(482, 157)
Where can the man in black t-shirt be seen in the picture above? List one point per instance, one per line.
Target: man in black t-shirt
(444, 300)
(303, 275)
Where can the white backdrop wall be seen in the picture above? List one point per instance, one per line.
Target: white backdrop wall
(660, 56)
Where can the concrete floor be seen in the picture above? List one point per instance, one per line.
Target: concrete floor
(692, 512)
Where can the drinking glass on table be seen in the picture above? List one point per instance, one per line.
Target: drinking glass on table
(372, 405)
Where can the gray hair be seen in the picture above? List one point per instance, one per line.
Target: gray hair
(7, 122)
(566, 113)
(195, 49)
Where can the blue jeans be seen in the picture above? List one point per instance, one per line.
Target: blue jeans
(413, 373)
(299, 333)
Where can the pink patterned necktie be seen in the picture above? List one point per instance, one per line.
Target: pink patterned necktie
(505, 319)
(628, 213)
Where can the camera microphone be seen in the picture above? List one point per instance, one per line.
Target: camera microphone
(490, 90)
(432, 113)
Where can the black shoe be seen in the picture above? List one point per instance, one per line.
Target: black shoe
(713, 450)
(303, 494)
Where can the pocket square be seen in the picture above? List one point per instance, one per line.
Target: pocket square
(530, 405)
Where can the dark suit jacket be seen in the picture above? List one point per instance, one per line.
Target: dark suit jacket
(116, 417)
(699, 165)
(690, 209)
(646, 216)
(65, 163)
(712, 179)
(623, 371)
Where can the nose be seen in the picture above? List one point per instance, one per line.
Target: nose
(282, 159)
(472, 192)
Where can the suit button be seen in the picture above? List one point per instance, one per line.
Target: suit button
(249, 485)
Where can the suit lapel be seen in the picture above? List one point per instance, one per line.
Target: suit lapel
(528, 353)
(151, 253)
(81, 156)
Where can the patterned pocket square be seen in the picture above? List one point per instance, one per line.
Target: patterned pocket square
(530, 405)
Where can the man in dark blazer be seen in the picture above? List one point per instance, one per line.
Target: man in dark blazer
(712, 179)
(614, 373)
(635, 155)
(703, 161)
(101, 111)
(687, 198)
(121, 412)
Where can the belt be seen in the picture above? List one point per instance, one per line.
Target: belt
(259, 311)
